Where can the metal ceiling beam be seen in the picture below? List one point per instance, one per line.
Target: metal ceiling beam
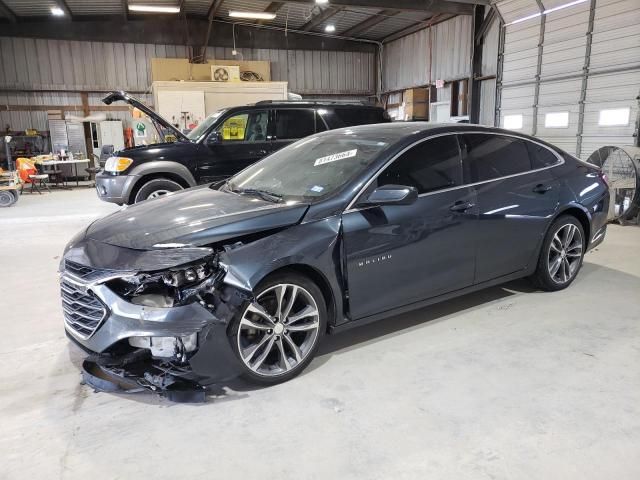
(170, 31)
(486, 24)
(273, 7)
(416, 27)
(125, 10)
(435, 6)
(65, 8)
(181, 6)
(370, 22)
(213, 9)
(7, 12)
(326, 14)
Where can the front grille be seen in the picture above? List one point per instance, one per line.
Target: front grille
(83, 311)
(84, 272)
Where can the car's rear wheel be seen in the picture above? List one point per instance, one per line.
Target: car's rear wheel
(155, 188)
(562, 254)
(276, 335)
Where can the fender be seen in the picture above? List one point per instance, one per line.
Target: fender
(297, 246)
(155, 167)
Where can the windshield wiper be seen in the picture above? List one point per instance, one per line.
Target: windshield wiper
(264, 194)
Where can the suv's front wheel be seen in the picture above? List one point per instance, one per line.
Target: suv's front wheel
(155, 188)
(277, 334)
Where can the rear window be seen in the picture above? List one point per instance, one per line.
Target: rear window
(361, 116)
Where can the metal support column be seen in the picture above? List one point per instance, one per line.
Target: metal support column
(585, 78)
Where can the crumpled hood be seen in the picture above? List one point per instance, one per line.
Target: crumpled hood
(196, 217)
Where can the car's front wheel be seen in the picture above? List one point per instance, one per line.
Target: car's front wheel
(155, 188)
(276, 335)
(562, 254)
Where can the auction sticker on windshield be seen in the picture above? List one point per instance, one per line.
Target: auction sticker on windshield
(335, 156)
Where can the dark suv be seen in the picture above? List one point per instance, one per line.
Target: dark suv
(223, 144)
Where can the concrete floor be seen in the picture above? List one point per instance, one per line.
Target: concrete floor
(504, 383)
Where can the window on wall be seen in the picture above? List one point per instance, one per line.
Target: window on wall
(512, 122)
(613, 117)
(556, 120)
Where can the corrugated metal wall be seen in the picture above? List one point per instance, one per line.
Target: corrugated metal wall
(63, 65)
(488, 68)
(580, 59)
(405, 62)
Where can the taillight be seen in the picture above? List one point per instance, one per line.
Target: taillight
(604, 178)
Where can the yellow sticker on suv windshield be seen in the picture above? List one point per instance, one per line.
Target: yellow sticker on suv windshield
(335, 156)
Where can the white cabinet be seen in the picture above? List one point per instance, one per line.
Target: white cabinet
(110, 132)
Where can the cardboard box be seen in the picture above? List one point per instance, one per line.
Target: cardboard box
(225, 73)
(415, 95)
(179, 69)
(416, 111)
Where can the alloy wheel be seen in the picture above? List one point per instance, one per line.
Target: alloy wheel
(278, 330)
(157, 194)
(565, 253)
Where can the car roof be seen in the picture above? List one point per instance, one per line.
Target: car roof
(307, 104)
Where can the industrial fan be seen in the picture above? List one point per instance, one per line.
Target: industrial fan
(622, 167)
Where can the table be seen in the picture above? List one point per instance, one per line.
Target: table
(67, 162)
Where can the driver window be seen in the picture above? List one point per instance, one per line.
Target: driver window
(245, 127)
(429, 166)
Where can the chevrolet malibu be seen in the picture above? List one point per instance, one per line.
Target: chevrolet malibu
(336, 230)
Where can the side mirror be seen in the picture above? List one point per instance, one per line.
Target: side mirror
(214, 138)
(392, 195)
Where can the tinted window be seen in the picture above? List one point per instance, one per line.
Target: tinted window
(494, 156)
(294, 124)
(360, 116)
(245, 127)
(320, 125)
(541, 156)
(429, 166)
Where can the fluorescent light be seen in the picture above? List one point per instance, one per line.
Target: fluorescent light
(512, 122)
(322, 2)
(330, 28)
(614, 116)
(556, 120)
(560, 7)
(524, 19)
(252, 15)
(153, 9)
(57, 11)
(545, 12)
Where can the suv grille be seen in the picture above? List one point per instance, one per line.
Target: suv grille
(83, 312)
(82, 271)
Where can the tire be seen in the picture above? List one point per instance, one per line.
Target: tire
(561, 256)
(155, 188)
(264, 345)
(8, 198)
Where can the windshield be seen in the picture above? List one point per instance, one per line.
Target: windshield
(312, 168)
(195, 134)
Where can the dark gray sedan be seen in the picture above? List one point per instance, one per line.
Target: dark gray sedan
(339, 229)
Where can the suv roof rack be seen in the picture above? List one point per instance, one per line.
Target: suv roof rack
(316, 102)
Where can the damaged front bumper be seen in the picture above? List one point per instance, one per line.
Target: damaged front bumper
(157, 348)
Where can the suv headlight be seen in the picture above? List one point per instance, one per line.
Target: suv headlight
(117, 164)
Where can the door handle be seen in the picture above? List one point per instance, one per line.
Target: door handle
(461, 206)
(541, 188)
(262, 152)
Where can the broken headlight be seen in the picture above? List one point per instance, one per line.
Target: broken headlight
(172, 287)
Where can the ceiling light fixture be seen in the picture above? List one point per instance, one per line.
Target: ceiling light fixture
(545, 12)
(252, 15)
(322, 2)
(153, 9)
(57, 11)
(330, 28)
